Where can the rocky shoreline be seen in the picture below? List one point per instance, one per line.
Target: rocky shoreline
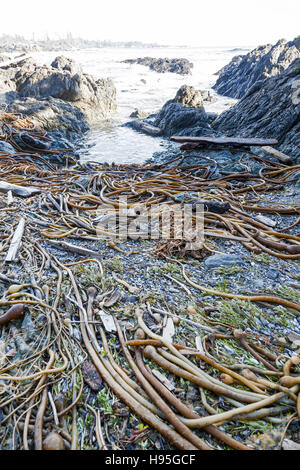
(59, 98)
(230, 306)
(164, 65)
(269, 104)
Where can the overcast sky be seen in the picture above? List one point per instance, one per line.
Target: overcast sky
(175, 22)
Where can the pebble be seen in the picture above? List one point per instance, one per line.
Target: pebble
(273, 274)
(215, 261)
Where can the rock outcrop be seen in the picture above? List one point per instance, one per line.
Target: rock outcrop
(63, 80)
(184, 115)
(271, 108)
(163, 65)
(237, 77)
(54, 115)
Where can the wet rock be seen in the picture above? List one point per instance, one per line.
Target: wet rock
(216, 261)
(163, 65)
(244, 71)
(183, 115)
(271, 108)
(211, 117)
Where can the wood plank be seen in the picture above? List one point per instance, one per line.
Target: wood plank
(80, 250)
(282, 157)
(224, 140)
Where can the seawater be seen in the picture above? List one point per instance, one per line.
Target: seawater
(139, 87)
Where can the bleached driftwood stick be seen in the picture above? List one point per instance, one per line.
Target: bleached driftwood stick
(282, 157)
(18, 190)
(16, 241)
(10, 198)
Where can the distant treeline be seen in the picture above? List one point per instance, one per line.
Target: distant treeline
(11, 43)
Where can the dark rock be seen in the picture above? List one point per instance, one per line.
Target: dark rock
(215, 206)
(163, 65)
(139, 114)
(215, 261)
(211, 117)
(271, 108)
(244, 71)
(184, 115)
(6, 147)
(27, 141)
(65, 80)
(52, 114)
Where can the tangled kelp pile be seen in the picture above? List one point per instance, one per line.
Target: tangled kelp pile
(65, 324)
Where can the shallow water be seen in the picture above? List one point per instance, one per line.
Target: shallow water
(138, 87)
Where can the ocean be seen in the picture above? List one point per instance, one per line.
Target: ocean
(139, 87)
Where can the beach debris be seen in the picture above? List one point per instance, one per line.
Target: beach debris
(112, 298)
(143, 126)
(91, 376)
(169, 330)
(17, 190)
(224, 141)
(282, 157)
(163, 379)
(16, 241)
(107, 320)
(65, 279)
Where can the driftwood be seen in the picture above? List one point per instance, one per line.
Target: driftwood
(108, 321)
(224, 141)
(73, 248)
(10, 198)
(169, 330)
(282, 157)
(163, 379)
(147, 128)
(16, 241)
(18, 190)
